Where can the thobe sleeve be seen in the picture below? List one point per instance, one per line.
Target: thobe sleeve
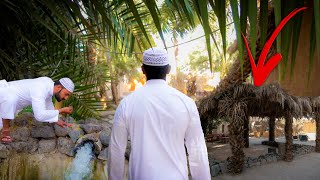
(43, 110)
(117, 145)
(196, 147)
(49, 104)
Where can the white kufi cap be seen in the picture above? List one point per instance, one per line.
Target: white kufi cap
(67, 83)
(155, 57)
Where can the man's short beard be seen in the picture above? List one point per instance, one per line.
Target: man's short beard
(57, 96)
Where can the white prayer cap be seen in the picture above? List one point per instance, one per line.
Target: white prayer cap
(155, 57)
(67, 83)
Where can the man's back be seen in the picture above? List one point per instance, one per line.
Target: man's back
(157, 118)
(25, 87)
(157, 121)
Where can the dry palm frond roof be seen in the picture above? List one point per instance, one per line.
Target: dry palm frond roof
(264, 101)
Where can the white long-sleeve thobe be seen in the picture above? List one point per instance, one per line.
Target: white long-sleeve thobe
(160, 121)
(36, 92)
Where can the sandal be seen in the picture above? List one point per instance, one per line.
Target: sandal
(5, 137)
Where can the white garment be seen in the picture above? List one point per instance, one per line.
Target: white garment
(159, 120)
(3, 84)
(22, 93)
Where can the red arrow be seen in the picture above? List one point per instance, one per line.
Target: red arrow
(261, 72)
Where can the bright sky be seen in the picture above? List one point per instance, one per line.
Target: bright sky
(184, 49)
(188, 48)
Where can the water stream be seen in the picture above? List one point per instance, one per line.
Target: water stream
(81, 167)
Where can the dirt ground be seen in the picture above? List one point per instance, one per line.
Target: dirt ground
(222, 151)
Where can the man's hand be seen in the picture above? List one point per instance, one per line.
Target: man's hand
(66, 110)
(63, 124)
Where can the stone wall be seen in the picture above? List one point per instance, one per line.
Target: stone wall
(31, 136)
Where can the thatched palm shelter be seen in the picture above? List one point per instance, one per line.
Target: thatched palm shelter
(237, 103)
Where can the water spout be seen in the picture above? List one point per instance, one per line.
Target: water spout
(81, 166)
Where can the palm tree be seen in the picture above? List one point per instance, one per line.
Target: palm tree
(56, 39)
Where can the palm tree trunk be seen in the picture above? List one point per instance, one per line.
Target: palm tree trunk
(176, 49)
(114, 81)
(246, 131)
(92, 53)
(288, 156)
(272, 124)
(317, 116)
(115, 92)
(236, 134)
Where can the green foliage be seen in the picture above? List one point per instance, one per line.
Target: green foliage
(51, 37)
(198, 62)
(236, 19)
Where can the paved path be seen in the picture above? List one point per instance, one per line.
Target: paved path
(306, 167)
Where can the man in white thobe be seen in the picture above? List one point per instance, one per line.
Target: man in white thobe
(160, 122)
(16, 95)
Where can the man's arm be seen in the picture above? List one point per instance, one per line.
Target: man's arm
(117, 146)
(49, 104)
(41, 113)
(67, 110)
(196, 147)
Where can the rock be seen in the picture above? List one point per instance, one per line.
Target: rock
(103, 154)
(107, 113)
(75, 134)
(23, 119)
(269, 157)
(106, 126)
(4, 152)
(60, 131)
(212, 160)
(105, 137)
(20, 134)
(91, 121)
(214, 170)
(263, 161)
(38, 123)
(253, 162)
(45, 132)
(67, 119)
(29, 146)
(223, 167)
(65, 146)
(110, 117)
(93, 138)
(33, 145)
(246, 164)
(91, 128)
(19, 146)
(46, 146)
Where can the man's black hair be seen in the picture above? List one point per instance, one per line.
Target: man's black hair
(156, 72)
(57, 83)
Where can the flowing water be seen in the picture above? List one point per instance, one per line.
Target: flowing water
(54, 166)
(81, 167)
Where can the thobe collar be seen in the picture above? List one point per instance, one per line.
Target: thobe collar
(156, 82)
